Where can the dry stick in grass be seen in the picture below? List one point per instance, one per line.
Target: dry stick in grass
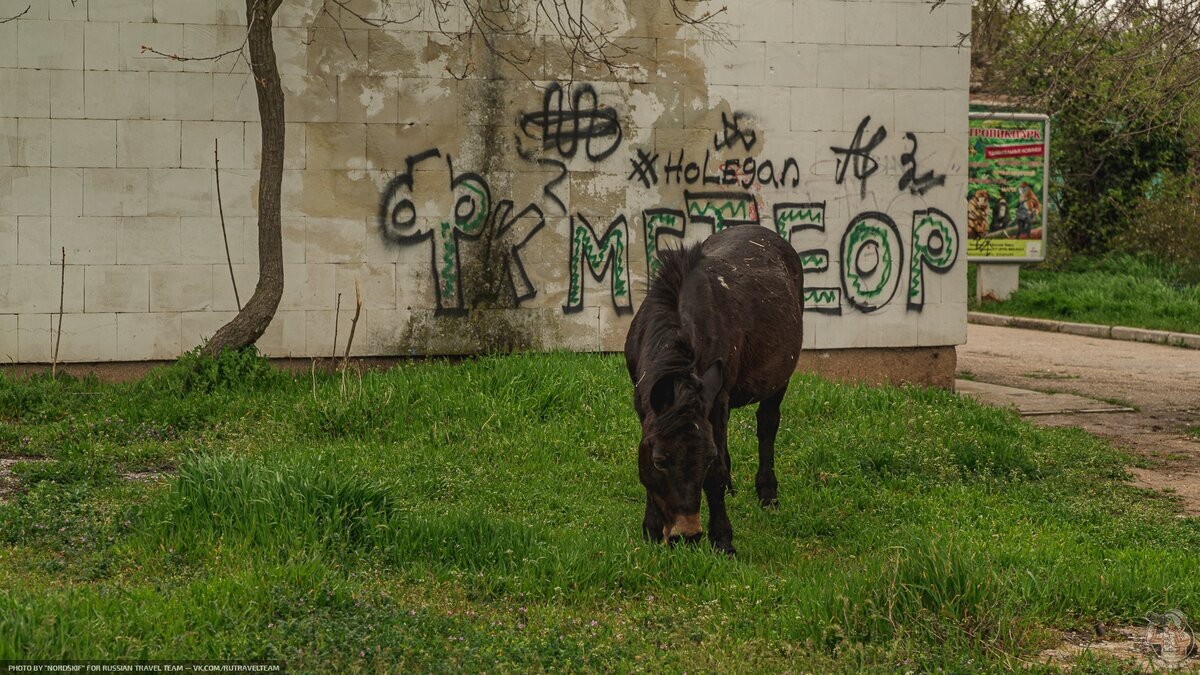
(354, 321)
(221, 210)
(62, 287)
(337, 311)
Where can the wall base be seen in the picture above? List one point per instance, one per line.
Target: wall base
(927, 366)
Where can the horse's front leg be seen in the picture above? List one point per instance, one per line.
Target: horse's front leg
(768, 425)
(717, 480)
(653, 522)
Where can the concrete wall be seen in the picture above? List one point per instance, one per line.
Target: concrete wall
(443, 178)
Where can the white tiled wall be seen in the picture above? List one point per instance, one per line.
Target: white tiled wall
(106, 151)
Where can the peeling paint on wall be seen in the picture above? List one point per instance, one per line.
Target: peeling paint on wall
(485, 204)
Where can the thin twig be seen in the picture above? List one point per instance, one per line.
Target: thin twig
(62, 288)
(239, 51)
(381, 21)
(221, 210)
(353, 322)
(176, 57)
(17, 16)
(337, 311)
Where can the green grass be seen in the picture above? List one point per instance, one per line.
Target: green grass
(486, 515)
(1117, 291)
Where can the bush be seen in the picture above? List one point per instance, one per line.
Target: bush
(1165, 224)
(238, 370)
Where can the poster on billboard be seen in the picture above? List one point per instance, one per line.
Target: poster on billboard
(1007, 187)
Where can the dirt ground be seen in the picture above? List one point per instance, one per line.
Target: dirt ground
(1162, 383)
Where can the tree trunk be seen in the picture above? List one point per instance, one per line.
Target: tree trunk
(252, 321)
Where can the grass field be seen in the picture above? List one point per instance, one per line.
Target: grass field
(1116, 291)
(485, 515)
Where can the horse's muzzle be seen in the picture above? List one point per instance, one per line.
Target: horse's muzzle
(685, 526)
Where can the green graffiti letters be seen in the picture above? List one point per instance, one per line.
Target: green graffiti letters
(659, 222)
(934, 245)
(721, 209)
(871, 255)
(604, 255)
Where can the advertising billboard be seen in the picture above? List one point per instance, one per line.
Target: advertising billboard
(1009, 159)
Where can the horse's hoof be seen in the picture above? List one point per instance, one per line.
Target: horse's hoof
(770, 503)
(652, 534)
(725, 547)
(690, 539)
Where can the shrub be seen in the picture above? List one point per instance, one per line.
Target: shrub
(241, 369)
(1165, 224)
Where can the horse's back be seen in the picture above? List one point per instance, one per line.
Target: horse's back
(757, 287)
(738, 299)
(760, 254)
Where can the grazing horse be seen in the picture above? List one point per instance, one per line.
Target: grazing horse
(720, 328)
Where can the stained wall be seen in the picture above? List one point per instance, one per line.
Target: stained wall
(477, 199)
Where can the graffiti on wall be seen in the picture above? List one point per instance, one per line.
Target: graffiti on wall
(604, 256)
(400, 223)
(746, 172)
(877, 258)
(564, 124)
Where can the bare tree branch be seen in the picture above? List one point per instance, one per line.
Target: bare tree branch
(176, 57)
(238, 52)
(383, 21)
(23, 13)
(1132, 60)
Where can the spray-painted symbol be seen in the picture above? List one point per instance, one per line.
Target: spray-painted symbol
(859, 156)
(733, 132)
(561, 125)
(645, 168)
(917, 185)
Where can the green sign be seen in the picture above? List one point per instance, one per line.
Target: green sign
(1006, 186)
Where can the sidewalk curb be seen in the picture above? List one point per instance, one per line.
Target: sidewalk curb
(1162, 337)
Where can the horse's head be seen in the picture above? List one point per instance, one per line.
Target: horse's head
(677, 447)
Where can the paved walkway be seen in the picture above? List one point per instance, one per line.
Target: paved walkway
(1161, 383)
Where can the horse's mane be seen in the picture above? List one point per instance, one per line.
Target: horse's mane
(673, 355)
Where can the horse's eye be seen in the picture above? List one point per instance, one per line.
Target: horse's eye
(658, 459)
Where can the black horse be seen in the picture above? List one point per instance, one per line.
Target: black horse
(720, 328)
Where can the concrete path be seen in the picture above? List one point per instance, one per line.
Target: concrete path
(1030, 403)
(1160, 383)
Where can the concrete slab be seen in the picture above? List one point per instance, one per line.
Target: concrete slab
(1034, 324)
(986, 319)
(1184, 340)
(1140, 335)
(1033, 403)
(1085, 329)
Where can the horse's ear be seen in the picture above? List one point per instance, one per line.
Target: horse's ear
(711, 382)
(662, 394)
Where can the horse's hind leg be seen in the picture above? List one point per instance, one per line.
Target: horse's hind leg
(768, 425)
